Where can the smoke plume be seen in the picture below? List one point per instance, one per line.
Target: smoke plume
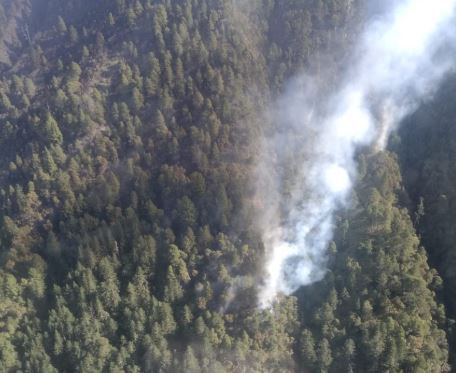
(308, 167)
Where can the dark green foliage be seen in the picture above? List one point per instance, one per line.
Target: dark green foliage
(379, 312)
(128, 137)
(425, 145)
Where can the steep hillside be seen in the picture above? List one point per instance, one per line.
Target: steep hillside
(426, 146)
(129, 132)
(14, 29)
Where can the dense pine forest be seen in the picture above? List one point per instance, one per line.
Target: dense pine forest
(128, 239)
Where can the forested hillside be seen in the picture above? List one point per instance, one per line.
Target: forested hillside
(128, 139)
(426, 145)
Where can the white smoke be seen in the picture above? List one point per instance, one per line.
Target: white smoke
(400, 59)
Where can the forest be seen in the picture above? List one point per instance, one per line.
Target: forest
(128, 239)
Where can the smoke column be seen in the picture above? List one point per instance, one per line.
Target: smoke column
(399, 60)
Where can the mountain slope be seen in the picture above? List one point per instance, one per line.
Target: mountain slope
(128, 137)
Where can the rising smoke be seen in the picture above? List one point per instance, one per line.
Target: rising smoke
(308, 167)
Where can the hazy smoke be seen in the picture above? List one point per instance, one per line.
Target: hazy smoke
(308, 166)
